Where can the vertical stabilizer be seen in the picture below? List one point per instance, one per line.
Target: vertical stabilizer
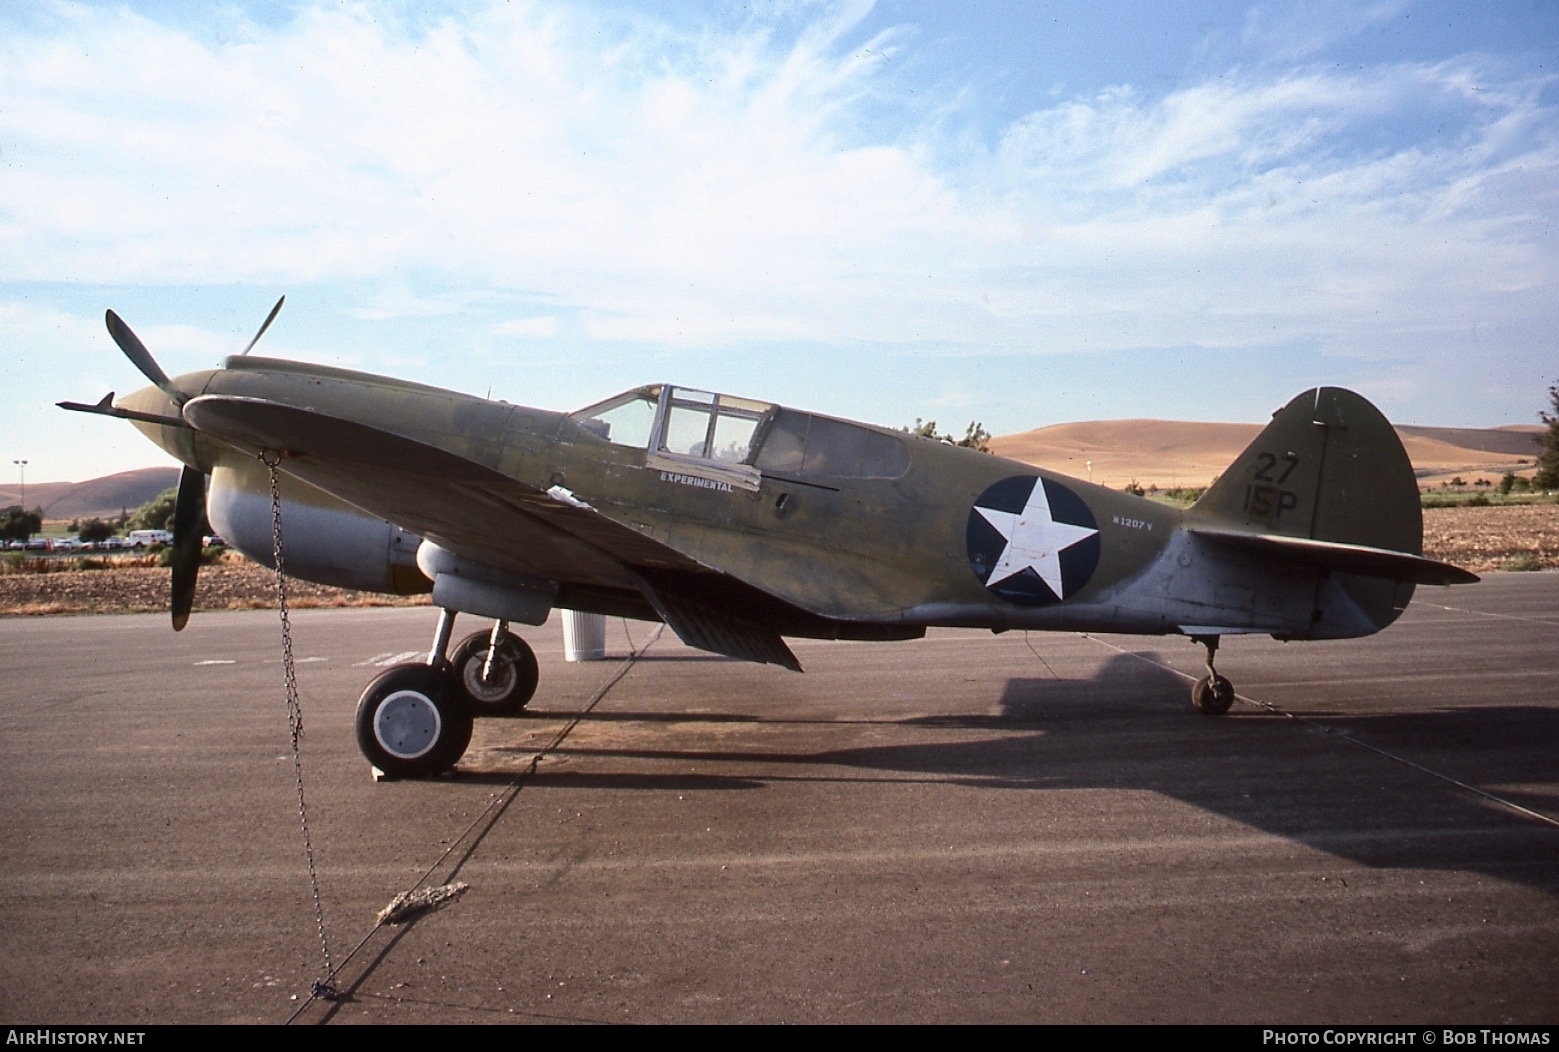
(1330, 467)
(1329, 471)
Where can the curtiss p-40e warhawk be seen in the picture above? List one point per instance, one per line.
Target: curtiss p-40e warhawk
(739, 522)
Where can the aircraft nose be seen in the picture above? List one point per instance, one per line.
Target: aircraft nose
(176, 438)
(150, 399)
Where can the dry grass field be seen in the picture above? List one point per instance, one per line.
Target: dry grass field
(1499, 537)
(235, 584)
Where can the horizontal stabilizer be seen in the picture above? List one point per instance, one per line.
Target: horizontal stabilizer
(1347, 558)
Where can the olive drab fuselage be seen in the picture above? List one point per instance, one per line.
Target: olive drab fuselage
(801, 524)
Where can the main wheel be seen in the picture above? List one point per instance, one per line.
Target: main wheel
(509, 685)
(1212, 695)
(412, 722)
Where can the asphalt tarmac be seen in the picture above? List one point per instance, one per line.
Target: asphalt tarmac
(965, 828)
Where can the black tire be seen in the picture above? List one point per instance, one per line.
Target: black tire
(512, 683)
(412, 722)
(1212, 695)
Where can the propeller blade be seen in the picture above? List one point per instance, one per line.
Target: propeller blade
(189, 512)
(268, 319)
(140, 357)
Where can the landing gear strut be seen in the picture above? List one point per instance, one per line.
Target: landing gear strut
(1212, 695)
(414, 720)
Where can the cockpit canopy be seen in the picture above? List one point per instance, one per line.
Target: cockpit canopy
(738, 440)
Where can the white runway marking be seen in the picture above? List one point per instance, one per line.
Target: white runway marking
(389, 658)
(216, 661)
(1490, 613)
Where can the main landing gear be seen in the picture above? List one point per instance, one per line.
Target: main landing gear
(1212, 695)
(414, 720)
(497, 671)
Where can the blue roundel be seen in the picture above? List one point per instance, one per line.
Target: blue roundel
(1032, 541)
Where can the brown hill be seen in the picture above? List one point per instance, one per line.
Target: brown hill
(1516, 440)
(39, 494)
(1170, 453)
(96, 498)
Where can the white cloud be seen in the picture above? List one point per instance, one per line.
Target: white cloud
(1299, 29)
(704, 187)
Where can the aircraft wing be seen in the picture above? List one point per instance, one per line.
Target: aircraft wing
(480, 513)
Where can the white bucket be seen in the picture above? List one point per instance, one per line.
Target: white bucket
(584, 636)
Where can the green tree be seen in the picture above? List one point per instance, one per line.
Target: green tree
(975, 435)
(18, 525)
(94, 530)
(155, 514)
(1547, 476)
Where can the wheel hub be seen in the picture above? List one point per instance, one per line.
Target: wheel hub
(407, 724)
(494, 687)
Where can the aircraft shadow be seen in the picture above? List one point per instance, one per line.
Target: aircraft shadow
(1130, 728)
(1322, 782)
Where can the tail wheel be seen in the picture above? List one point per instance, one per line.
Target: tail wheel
(412, 722)
(510, 680)
(1212, 695)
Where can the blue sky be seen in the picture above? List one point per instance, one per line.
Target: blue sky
(1020, 213)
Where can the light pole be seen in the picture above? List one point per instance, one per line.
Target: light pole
(21, 467)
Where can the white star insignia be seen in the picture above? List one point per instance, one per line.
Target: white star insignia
(1035, 540)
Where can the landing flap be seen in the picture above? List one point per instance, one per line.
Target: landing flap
(718, 631)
